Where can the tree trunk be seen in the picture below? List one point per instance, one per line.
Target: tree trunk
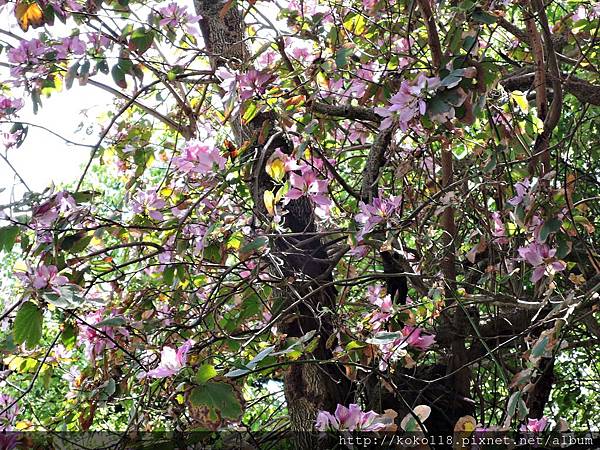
(308, 386)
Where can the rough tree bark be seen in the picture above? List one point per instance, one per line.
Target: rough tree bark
(309, 387)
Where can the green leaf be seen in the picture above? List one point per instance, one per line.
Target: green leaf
(118, 75)
(220, 398)
(256, 244)
(521, 100)
(71, 74)
(8, 235)
(384, 337)
(28, 325)
(69, 298)
(342, 56)
(540, 347)
(111, 322)
(549, 227)
(69, 335)
(252, 364)
(205, 372)
(483, 17)
(453, 78)
(141, 40)
(513, 401)
(251, 111)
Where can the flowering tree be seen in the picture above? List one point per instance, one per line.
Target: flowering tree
(356, 215)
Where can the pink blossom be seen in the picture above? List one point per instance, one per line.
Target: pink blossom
(416, 339)
(8, 417)
(43, 277)
(359, 251)
(308, 184)
(383, 302)
(28, 52)
(9, 140)
(252, 83)
(391, 352)
(148, 202)
(289, 162)
(98, 41)
(380, 210)
(70, 45)
(174, 16)
(199, 158)
(73, 377)
(9, 106)
(267, 58)
(310, 8)
(62, 7)
(9, 441)
(535, 425)
(196, 233)
(580, 14)
(522, 189)
(45, 214)
(409, 102)
(333, 88)
(358, 132)
(541, 257)
(171, 361)
(499, 231)
(97, 339)
(349, 419)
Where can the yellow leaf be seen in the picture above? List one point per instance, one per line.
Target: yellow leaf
(355, 24)
(521, 100)
(29, 14)
(269, 199)
(276, 169)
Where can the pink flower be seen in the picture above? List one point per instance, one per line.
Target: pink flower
(45, 214)
(541, 257)
(580, 14)
(43, 277)
(499, 231)
(380, 210)
(358, 132)
(62, 7)
(252, 83)
(9, 106)
(148, 202)
(348, 419)
(98, 41)
(409, 102)
(199, 158)
(391, 351)
(174, 16)
(9, 441)
(535, 425)
(97, 339)
(415, 339)
(28, 52)
(9, 140)
(308, 184)
(522, 189)
(326, 421)
(69, 45)
(171, 361)
(381, 316)
(359, 251)
(8, 417)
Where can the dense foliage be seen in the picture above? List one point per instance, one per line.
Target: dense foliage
(312, 213)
